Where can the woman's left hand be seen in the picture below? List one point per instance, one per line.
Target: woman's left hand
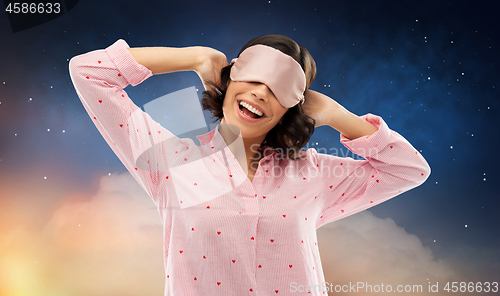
(319, 107)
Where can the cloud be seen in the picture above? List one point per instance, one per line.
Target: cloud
(112, 244)
(366, 249)
(109, 244)
(120, 215)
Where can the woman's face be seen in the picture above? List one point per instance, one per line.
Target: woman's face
(258, 96)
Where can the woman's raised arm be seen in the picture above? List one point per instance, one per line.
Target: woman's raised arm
(205, 61)
(327, 111)
(146, 148)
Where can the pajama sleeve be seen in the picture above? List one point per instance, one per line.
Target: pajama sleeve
(143, 146)
(392, 166)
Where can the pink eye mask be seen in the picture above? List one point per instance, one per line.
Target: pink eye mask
(279, 71)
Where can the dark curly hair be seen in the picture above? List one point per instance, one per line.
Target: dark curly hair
(296, 127)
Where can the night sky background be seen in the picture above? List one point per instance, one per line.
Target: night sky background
(74, 222)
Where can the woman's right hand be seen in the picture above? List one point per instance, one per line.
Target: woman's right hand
(211, 63)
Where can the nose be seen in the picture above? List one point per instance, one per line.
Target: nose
(261, 91)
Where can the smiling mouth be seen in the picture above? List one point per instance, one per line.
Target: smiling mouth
(249, 111)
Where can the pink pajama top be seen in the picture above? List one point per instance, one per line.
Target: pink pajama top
(225, 234)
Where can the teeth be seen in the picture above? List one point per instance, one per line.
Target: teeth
(252, 109)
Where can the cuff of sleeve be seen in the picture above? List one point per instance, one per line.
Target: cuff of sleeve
(128, 67)
(369, 146)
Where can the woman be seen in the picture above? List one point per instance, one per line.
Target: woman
(240, 211)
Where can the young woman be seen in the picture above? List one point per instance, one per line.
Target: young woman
(240, 211)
